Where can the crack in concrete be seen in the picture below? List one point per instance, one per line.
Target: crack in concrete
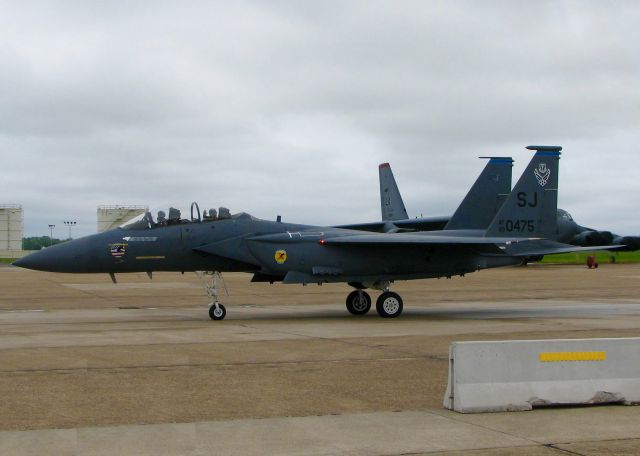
(553, 446)
(200, 365)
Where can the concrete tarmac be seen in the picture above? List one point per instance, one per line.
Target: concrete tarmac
(88, 367)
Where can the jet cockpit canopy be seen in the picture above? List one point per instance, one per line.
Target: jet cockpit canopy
(168, 215)
(564, 215)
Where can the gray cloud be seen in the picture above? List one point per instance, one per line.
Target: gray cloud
(288, 107)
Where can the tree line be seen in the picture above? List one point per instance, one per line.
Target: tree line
(39, 242)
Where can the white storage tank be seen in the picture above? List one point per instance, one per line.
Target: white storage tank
(11, 227)
(110, 217)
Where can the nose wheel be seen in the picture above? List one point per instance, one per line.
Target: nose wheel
(217, 311)
(389, 305)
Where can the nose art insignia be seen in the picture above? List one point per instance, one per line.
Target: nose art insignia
(118, 250)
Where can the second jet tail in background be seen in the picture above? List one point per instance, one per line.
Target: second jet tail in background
(390, 199)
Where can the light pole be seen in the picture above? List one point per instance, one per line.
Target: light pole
(51, 227)
(69, 224)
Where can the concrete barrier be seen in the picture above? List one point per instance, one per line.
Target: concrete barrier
(522, 374)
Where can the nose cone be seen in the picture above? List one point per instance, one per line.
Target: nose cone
(58, 258)
(21, 263)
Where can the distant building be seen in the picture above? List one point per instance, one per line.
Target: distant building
(110, 217)
(11, 230)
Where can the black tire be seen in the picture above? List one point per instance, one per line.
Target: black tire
(389, 305)
(355, 305)
(218, 314)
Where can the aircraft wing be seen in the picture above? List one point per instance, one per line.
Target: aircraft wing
(376, 227)
(417, 224)
(424, 223)
(416, 239)
(516, 247)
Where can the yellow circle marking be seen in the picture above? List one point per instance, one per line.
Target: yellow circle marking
(280, 256)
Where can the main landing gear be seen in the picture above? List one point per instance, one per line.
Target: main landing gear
(388, 304)
(358, 302)
(216, 310)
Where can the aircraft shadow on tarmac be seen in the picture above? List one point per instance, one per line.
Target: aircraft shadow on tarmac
(473, 313)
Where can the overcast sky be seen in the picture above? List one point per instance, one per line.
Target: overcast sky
(288, 107)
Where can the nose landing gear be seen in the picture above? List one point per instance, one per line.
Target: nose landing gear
(216, 310)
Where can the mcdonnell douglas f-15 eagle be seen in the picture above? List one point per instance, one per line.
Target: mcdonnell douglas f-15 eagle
(523, 226)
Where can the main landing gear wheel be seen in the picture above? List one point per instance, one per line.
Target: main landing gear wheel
(358, 302)
(389, 304)
(217, 311)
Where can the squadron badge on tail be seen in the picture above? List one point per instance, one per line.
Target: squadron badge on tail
(542, 174)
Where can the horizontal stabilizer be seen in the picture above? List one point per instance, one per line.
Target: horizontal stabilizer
(629, 242)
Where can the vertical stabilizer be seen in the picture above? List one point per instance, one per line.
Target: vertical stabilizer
(485, 198)
(390, 199)
(531, 208)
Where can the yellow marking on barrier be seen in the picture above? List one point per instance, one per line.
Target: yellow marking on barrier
(157, 257)
(550, 357)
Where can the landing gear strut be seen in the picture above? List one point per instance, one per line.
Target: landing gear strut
(216, 310)
(358, 302)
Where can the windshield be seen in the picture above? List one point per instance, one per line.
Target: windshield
(171, 215)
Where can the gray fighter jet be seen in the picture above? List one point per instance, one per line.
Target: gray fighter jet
(524, 226)
(477, 209)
